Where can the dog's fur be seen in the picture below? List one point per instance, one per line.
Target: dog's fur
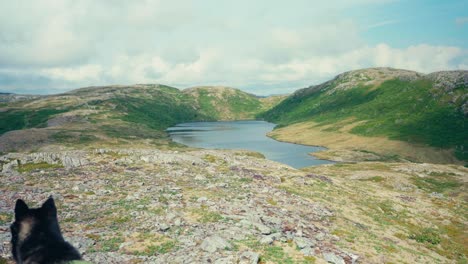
(36, 236)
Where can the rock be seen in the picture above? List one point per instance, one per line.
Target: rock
(266, 240)
(249, 257)
(213, 243)
(163, 227)
(302, 242)
(308, 251)
(333, 258)
(265, 230)
(226, 260)
(354, 258)
(320, 236)
(437, 195)
(202, 199)
(80, 243)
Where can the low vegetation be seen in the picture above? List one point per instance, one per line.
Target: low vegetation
(409, 111)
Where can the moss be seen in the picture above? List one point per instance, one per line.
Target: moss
(110, 245)
(427, 235)
(210, 158)
(5, 218)
(38, 166)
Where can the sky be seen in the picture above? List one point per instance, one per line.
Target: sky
(263, 47)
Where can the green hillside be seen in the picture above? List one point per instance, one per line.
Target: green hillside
(224, 103)
(121, 112)
(421, 109)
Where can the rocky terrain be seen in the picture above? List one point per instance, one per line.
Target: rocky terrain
(127, 194)
(208, 206)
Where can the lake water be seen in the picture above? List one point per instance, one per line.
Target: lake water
(250, 135)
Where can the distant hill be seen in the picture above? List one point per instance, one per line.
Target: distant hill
(399, 104)
(224, 103)
(140, 111)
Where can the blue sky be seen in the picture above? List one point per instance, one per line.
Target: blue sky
(263, 47)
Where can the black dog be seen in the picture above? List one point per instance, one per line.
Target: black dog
(36, 236)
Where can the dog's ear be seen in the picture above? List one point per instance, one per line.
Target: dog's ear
(49, 207)
(21, 209)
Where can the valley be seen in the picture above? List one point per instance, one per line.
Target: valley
(126, 193)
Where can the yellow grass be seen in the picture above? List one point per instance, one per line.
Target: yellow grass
(344, 146)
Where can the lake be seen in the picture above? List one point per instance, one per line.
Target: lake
(250, 135)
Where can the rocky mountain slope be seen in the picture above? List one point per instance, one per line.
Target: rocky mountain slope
(422, 110)
(207, 206)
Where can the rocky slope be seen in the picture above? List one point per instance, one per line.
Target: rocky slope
(421, 110)
(200, 206)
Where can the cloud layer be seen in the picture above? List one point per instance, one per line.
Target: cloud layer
(54, 46)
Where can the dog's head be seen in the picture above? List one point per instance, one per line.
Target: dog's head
(31, 222)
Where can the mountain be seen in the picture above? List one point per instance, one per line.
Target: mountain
(225, 103)
(126, 194)
(420, 109)
(119, 113)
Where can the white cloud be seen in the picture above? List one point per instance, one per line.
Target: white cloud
(88, 72)
(257, 46)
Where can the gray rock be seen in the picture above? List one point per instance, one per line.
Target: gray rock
(80, 243)
(163, 227)
(265, 230)
(333, 258)
(266, 240)
(226, 260)
(213, 243)
(249, 257)
(308, 251)
(302, 242)
(354, 258)
(437, 195)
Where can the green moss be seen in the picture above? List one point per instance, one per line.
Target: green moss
(110, 245)
(427, 235)
(5, 218)
(436, 184)
(38, 166)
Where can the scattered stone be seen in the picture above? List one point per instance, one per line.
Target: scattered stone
(163, 227)
(333, 258)
(302, 242)
(437, 195)
(213, 243)
(249, 257)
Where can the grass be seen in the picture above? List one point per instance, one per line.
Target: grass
(374, 179)
(234, 104)
(5, 218)
(400, 110)
(427, 235)
(110, 245)
(203, 215)
(440, 184)
(38, 166)
(26, 118)
(155, 249)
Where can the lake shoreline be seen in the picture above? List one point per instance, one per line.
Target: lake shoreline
(254, 137)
